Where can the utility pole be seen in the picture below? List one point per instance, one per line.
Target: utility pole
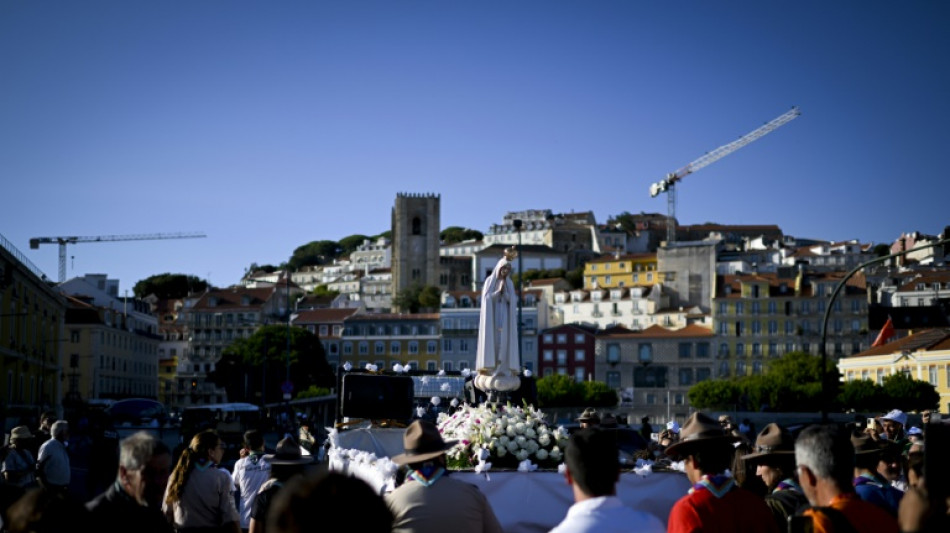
(518, 223)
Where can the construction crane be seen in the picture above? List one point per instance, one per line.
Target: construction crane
(63, 241)
(668, 184)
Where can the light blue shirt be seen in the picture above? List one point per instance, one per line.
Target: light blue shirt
(54, 461)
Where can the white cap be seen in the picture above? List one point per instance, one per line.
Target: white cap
(673, 426)
(896, 415)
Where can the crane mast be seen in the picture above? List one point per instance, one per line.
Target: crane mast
(35, 243)
(668, 183)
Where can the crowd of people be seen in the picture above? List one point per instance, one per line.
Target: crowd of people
(825, 478)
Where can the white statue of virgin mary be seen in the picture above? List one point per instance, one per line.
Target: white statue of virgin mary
(497, 353)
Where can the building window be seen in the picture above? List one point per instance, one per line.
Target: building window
(723, 350)
(723, 308)
(463, 345)
(413, 347)
(379, 347)
(686, 376)
(613, 379)
(932, 375)
(578, 338)
(685, 350)
(364, 348)
(645, 352)
(740, 368)
(756, 349)
(431, 347)
(703, 374)
(579, 355)
(562, 338)
(702, 350)
(562, 357)
(395, 347)
(447, 345)
(740, 349)
(613, 353)
(548, 355)
(756, 367)
(580, 374)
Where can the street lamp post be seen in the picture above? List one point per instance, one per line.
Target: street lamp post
(518, 223)
(288, 390)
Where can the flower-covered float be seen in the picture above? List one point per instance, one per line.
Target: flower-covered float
(511, 452)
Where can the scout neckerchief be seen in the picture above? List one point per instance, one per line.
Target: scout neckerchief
(787, 484)
(718, 485)
(427, 480)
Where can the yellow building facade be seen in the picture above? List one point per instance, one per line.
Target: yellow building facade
(924, 356)
(631, 270)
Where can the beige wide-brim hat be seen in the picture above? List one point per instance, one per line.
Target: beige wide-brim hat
(699, 430)
(422, 441)
(20, 433)
(772, 440)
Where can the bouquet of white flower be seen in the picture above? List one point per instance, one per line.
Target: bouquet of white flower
(505, 436)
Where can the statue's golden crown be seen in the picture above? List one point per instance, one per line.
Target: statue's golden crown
(511, 253)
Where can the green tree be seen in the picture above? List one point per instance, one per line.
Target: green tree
(559, 390)
(909, 394)
(324, 292)
(598, 394)
(407, 299)
(415, 297)
(430, 297)
(576, 277)
(314, 253)
(863, 395)
(167, 286)
(714, 394)
(454, 234)
(261, 360)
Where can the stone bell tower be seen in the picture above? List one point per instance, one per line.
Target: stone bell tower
(415, 229)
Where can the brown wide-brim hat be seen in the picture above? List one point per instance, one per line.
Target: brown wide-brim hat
(698, 431)
(422, 441)
(589, 415)
(288, 453)
(772, 440)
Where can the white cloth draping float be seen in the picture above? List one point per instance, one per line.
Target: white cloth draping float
(523, 501)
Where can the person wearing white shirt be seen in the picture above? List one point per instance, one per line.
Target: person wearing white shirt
(52, 464)
(592, 470)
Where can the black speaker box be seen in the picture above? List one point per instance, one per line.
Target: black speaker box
(376, 396)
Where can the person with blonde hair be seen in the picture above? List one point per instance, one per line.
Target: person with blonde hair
(198, 497)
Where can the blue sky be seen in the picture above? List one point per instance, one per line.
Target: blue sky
(267, 125)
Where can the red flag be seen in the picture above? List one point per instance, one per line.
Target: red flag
(886, 333)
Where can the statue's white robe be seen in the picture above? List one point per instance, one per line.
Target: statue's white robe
(497, 350)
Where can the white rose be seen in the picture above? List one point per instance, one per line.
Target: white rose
(520, 439)
(513, 446)
(555, 453)
(530, 433)
(520, 427)
(544, 439)
(541, 454)
(521, 455)
(511, 431)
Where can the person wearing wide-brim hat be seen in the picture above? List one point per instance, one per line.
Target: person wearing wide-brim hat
(707, 452)
(287, 462)
(589, 418)
(19, 464)
(868, 481)
(429, 499)
(774, 460)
